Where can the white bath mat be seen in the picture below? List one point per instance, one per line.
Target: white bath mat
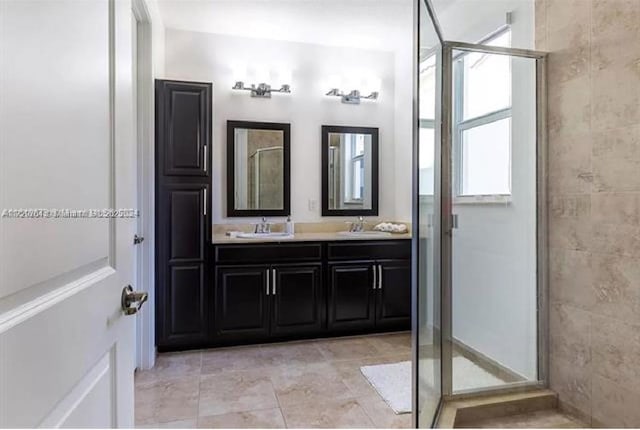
(393, 383)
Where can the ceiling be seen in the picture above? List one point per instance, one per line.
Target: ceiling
(372, 24)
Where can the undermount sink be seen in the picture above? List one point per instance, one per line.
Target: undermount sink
(364, 233)
(274, 235)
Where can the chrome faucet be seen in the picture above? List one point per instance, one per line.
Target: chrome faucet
(263, 227)
(358, 226)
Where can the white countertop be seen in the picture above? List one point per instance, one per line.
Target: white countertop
(306, 237)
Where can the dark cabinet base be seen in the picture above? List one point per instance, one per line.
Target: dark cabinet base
(265, 293)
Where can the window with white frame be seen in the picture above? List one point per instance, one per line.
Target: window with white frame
(482, 121)
(355, 184)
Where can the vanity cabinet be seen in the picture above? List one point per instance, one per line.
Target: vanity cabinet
(265, 292)
(371, 293)
(254, 302)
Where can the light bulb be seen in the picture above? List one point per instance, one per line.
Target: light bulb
(350, 84)
(371, 84)
(261, 74)
(376, 84)
(334, 81)
(283, 77)
(239, 71)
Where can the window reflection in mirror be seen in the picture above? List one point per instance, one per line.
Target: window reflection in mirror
(350, 170)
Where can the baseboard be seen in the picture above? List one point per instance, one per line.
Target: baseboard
(578, 414)
(506, 374)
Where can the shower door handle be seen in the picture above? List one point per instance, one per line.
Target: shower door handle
(453, 224)
(454, 221)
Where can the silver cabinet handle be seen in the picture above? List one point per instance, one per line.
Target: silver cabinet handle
(268, 283)
(204, 197)
(375, 277)
(205, 157)
(273, 274)
(379, 276)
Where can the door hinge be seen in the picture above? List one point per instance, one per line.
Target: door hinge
(137, 239)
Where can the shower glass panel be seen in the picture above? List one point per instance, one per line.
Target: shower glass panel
(494, 242)
(480, 306)
(427, 366)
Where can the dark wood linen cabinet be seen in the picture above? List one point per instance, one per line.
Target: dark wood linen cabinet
(182, 201)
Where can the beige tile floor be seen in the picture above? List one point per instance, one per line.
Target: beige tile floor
(305, 384)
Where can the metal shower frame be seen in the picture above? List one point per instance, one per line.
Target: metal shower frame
(444, 221)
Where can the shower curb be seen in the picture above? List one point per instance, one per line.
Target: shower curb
(472, 409)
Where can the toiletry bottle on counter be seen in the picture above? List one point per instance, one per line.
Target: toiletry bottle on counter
(288, 226)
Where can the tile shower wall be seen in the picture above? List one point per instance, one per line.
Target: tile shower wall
(594, 207)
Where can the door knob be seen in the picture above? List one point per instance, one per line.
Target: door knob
(132, 301)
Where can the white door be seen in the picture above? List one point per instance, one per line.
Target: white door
(66, 141)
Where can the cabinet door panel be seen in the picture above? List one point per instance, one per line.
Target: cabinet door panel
(393, 306)
(351, 296)
(181, 260)
(186, 221)
(297, 299)
(184, 130)
(183, 304)
(242, 305)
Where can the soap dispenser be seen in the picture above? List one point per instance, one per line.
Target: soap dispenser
(288, 226)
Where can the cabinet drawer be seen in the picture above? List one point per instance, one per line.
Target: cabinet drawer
(378, 250)
(267, 253)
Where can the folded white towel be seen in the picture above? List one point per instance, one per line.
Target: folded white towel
(391, 227)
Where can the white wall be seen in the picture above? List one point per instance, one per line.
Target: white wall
(157, 36)
(210, 57)
(403, 69)
(145, 344)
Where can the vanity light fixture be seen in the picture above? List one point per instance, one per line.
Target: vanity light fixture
(354, 97)
(261, 90)
(262, 74)
(367, 87)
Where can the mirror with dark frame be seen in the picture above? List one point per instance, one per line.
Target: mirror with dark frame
(349, 171)
(258, 169)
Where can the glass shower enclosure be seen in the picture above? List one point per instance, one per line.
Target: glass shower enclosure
(480, 250)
